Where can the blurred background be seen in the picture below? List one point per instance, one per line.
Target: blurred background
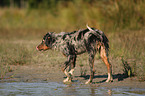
(24, 22)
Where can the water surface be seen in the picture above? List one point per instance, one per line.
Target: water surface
(60, 89)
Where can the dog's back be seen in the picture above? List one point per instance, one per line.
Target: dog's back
(81, 40)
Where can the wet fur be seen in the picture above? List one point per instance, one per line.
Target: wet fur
(71, 44)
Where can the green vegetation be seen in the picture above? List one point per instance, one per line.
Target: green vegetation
(22, 27)
(107, 15)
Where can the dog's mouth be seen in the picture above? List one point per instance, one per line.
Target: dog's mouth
(42, 49)
(37, 48)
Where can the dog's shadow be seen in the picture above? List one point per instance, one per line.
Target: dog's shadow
(119, 77)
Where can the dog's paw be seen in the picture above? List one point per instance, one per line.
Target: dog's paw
(67, 80)
(109, 80)
(88, 82)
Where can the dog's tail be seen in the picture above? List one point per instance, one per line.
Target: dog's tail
(89, 28)
(102, 36)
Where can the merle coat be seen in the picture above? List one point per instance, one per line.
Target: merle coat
(71, 44)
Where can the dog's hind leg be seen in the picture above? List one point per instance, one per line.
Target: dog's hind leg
(91, 64)
(103, 54)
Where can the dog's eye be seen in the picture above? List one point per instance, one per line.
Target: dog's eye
(48, 38)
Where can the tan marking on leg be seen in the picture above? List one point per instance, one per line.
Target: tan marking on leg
(106, 61)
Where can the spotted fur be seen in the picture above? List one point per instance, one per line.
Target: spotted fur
(71, 44)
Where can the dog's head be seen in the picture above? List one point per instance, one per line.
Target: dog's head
(47, 42)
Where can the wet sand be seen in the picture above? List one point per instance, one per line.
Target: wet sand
(45, 72)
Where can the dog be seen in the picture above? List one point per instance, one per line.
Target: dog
(71, 44)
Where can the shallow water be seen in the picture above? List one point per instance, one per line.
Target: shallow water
(60, 89)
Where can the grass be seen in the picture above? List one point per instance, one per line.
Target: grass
(125, 46)
(76, 16)
(22, 29)
(129, 47)
(12, 54)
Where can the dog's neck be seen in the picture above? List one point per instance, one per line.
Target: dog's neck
(59, 43)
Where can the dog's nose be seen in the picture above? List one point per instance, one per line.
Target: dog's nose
(37, 47)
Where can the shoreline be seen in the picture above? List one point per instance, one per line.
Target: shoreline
(40, 74)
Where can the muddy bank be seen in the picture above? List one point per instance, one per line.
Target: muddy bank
(45, 72)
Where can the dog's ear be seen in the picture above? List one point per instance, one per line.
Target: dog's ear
(52, 35)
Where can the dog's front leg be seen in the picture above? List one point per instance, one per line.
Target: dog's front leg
(68, 79)
(66, 64)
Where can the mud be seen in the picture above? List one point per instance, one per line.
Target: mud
(45, 72)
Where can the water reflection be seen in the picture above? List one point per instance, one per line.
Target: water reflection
(86, 90)
(59, 89)
(70, 90)
(92, 92)
(109, 92)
